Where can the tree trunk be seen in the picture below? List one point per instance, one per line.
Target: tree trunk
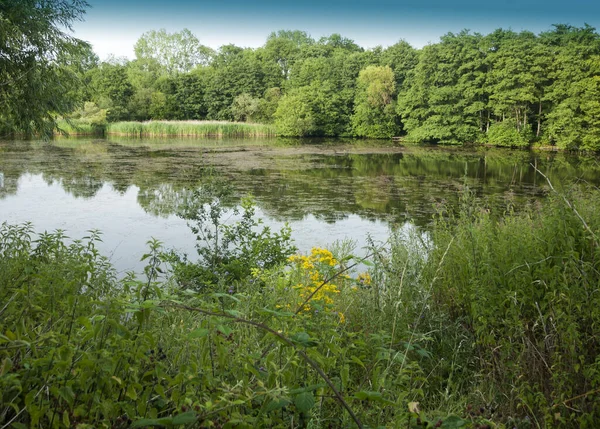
(539, 121)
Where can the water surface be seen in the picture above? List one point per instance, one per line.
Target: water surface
(130, 189)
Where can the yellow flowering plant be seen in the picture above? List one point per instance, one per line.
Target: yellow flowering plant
(311, 274)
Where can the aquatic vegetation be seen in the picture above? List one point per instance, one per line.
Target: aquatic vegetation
(189, 129)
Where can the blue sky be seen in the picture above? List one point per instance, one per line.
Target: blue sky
(113, 26)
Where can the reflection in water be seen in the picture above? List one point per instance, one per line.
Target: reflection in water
(131, 189)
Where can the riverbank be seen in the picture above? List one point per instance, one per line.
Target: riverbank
(198, 129)
(189, 129)
(492, 322)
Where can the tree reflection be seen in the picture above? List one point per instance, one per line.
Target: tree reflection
(290, 182)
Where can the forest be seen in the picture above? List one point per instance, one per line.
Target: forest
(503, 88)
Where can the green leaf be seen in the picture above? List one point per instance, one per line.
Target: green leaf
(65, 419)
(224, 295)
(303, 339)
(151, 422)
(184, 418)
(304, 402)
(345, 374)
(277, 404)
(365, 395)
(234, 313)
(423, 353)
(307, 388)
(357, 361)
(225, 330)
(277, 313)
(131, 393)
(198, 333)
(453, 422)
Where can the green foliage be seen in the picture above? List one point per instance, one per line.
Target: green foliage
(506, 133)
(374, 106)
(189, 129)
(444, 100)
(227, 252)
(245, 108)
(486, 321)
(40, 63)
(468, 88)
(111, 89)
(313, 110)
(521, 287)
(177, 52)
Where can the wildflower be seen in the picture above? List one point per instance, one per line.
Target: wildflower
(364, 279)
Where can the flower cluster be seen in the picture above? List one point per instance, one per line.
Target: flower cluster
(364, 279)
(315, 269)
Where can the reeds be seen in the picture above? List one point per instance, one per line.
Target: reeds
(190, 129)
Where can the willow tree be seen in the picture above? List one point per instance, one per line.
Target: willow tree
(374, 104)
(39, 58)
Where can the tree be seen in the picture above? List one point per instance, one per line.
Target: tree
(313, 110)
(112, 90)
(444, 99)
(374, 105)
(176, 52)
(402, 58)
(513, 83)
(37, 80)
(283, 47)
(574, 118)
(245, 107)
(234, 71)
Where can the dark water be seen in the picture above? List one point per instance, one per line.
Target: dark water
(130, 189)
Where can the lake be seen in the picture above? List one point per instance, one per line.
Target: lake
(130, 189)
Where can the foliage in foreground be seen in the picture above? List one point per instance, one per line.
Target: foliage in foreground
(485, 321)
(40, 64)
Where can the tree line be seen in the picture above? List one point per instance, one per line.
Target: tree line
(505, 88)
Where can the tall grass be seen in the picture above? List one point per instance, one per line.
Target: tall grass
(190, 129)
(510, 307)
(485, 319)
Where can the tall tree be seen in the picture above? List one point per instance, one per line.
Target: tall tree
(374, 106)
(575, 72)
(36, 51)
(444, 99)
(283, 47)
(176, 52)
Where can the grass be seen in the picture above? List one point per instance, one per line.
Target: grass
(190, 129)
(485, 321)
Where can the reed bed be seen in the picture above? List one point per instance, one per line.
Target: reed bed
(190, 129)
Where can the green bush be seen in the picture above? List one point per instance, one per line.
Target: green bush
(506, 133)
(485, 318)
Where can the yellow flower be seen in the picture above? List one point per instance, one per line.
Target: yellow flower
(364, 279)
